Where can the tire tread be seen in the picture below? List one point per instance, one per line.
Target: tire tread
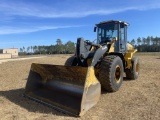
(106, 82)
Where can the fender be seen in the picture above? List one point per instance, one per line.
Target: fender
(98, 54)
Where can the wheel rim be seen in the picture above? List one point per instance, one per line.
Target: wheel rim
(117, 75)
(137, 67)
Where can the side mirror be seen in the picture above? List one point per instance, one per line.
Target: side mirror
(95, 29)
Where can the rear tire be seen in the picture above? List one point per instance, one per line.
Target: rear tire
(111, 73)
(71, 61)
(133, 73)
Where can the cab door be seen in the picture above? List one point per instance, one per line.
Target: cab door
(123, 38)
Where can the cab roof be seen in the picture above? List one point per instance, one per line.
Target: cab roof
(113, 21)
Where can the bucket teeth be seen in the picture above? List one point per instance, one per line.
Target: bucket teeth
(71, 89)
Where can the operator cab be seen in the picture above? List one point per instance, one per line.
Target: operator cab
(112, 30)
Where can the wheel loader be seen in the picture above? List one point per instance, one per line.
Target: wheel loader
(76, 87)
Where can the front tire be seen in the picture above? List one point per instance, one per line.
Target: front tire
(111, 73)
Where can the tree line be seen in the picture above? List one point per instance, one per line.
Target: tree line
(58, 48)
(149, 44)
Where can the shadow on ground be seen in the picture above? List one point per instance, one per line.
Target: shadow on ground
(16, 96)
(125, 79)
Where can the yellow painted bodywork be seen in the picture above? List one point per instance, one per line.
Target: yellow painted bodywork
(92, 48)
(111, 47)
(90, 77)
(128, 55)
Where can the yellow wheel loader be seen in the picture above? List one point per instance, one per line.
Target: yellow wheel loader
(76, 87)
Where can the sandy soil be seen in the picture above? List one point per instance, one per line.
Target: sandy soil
(18, 59)
(136, 100)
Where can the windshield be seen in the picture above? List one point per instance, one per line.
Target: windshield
(106, 33)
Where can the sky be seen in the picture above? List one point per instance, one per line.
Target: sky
(42, 22)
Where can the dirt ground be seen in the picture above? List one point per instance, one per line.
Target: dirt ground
(136, 100)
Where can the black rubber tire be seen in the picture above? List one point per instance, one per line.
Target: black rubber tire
(132, 74)
(107, 73)
(71, 61)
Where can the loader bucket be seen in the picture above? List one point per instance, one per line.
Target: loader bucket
(70, 89)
